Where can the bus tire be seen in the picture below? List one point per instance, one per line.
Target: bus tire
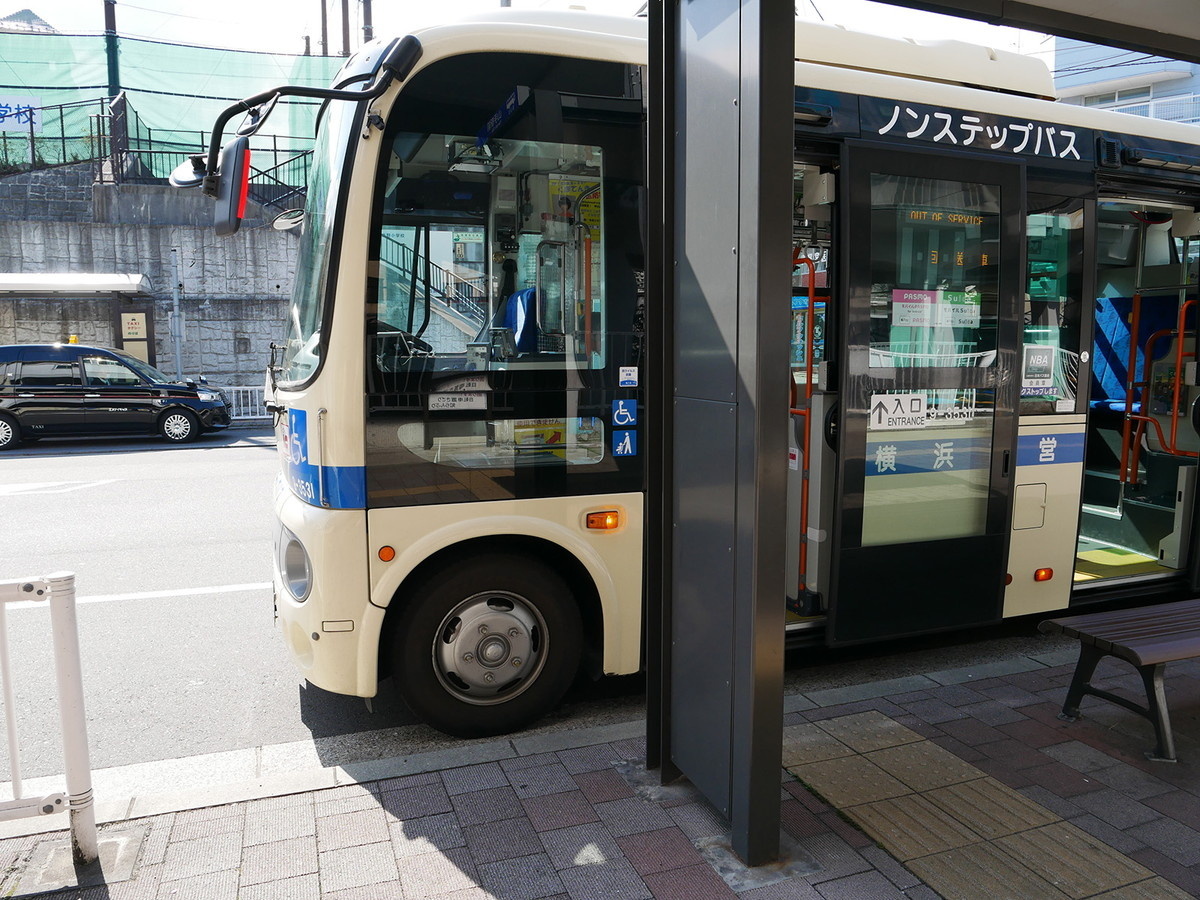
(487, 646)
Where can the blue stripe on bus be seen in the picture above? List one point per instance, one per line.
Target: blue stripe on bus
(1049, 449)
(932, 455)
(345, 487)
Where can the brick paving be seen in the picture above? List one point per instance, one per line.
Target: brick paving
(1087, 814)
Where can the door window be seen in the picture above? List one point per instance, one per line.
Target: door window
(105, 371)
(1053, 303)
(935, 255)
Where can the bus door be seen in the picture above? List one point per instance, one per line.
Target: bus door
(1143, 424)
(927, 425)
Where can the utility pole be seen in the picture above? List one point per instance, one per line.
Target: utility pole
(176, 319)
(345, 27)
(110, 47)
(368, 28)
(324, 29)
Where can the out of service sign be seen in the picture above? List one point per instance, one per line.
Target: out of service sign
(891, 412)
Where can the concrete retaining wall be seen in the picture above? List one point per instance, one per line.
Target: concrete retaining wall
(234, 291)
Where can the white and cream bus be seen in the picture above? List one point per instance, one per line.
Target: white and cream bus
(993, 370)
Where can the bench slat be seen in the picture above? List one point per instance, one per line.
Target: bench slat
(1145, 636)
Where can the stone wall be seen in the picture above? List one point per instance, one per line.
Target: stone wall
(233, 292)
(62, 194)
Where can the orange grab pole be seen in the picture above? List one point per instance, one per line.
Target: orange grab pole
(806, 441)
(1130, 377)
(1178, 379)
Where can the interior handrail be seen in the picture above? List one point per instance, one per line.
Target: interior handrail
(1180, 332)
(805, 443)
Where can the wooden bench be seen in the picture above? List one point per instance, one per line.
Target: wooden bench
(1149, 637)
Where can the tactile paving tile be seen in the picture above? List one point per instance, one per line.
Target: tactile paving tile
(910, 826)
(1153, 889)
(1074, 861)
(808, 743)
(924, 765)
(982, 870)
(990, 808)
(849, 781)
(868, 731)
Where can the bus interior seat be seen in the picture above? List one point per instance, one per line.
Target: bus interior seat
(1110, 356)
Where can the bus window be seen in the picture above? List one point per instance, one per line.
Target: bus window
(933, 290)
(302, 346)
(503, 310)
(491, 256)
(1053, 297)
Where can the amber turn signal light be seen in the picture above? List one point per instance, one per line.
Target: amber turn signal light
(387, 554)
(604, 521)
(1043, 574)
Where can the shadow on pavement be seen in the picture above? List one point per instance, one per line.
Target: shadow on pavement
(257, 437)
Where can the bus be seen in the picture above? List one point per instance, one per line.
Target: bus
(995, 401)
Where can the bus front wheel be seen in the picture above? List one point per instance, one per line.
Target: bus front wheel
(487, 646)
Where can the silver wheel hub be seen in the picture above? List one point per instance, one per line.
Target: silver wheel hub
(6, 432)
(177, 426)
(490, 647)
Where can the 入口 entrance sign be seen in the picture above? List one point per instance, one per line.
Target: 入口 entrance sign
(896, 411)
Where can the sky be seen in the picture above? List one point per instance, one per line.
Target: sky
(280, 25)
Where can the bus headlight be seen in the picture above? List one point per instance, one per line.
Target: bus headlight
(294, 566)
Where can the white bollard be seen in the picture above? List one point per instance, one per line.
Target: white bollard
(59, 589)
(67, 666)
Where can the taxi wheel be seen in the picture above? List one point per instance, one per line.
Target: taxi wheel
(10, 433)
(487, 646)
(179, 426)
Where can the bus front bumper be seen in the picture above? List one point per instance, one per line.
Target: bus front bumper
(328, 624)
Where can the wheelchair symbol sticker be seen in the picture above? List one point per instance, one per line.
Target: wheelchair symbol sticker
(624, 413)
(624, 443)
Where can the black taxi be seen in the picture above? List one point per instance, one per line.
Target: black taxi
(49, 390)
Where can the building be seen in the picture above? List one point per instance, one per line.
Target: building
(1127, 81)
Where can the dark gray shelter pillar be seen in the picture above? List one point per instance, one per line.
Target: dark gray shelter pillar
(720, 169)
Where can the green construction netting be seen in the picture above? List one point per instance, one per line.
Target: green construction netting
(174, 93)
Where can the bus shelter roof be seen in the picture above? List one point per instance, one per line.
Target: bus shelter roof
(75, 284)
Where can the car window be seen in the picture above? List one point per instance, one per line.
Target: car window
(49, 373)
(8, 373)
(104, 370)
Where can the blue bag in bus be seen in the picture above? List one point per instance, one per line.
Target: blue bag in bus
(520, 317)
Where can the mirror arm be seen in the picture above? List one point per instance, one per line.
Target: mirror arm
(397, 63)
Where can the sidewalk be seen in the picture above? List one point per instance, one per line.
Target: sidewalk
(958, 783)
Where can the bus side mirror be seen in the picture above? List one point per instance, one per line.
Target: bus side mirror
(233, 185)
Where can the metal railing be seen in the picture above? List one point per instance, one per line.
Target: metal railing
(52, 136)
(1185, 108)
(59, 590)
(122, 149)
(466, 296)
(246, 402)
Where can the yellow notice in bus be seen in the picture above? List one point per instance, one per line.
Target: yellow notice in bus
(582, 196)
(544, 436)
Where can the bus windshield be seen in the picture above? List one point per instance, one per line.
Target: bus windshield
(303, 345)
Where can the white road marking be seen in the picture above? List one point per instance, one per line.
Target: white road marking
(149, 595)
(51, 487)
